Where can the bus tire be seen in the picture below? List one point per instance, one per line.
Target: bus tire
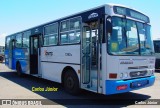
(71, 82)
(19, 69)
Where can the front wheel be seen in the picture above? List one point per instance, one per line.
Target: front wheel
(71, 82)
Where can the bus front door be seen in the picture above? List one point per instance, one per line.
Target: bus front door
(34, 50)
(91, 57)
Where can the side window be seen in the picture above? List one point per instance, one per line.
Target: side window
(74, 37)
(70, 31)
(64, 37)
(50, 34)
(26, 38)
(19, 40)
(75, 23)
(7, 42)
(65, 26)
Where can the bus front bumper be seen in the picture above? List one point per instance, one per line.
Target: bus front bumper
(122, 86)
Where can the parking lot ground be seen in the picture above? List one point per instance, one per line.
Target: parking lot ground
(15, 87)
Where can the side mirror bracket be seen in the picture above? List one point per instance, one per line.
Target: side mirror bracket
(108, 25)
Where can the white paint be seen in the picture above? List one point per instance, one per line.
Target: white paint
(52, 66)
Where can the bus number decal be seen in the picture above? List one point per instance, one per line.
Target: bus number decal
(68, 54)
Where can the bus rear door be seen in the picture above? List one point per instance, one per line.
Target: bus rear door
(34, 54)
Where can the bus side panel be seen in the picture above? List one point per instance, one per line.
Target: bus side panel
(23, 64)
(20, 56)
(54, 59)
(104, 67)
(69, 54)
(53, 71)
(6, 57)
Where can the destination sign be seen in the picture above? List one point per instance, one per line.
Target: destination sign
(130, 13)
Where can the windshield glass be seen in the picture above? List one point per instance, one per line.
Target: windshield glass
(126, 36)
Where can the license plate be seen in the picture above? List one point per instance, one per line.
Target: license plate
(139, 83)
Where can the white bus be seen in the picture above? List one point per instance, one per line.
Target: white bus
(106, 50)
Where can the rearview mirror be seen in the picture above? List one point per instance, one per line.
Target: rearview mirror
(108, 25)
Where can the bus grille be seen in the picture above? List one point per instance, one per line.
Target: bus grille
(138, 73)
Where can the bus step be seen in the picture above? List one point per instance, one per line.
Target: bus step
(37, 75)
(94, 83)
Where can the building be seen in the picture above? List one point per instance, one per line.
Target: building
(1, 53)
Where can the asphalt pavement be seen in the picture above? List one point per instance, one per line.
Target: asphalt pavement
(15, 87)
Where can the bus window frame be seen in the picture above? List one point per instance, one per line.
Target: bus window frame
(111, 34)
(21, 40)
(69, 31)
(28, 38)
(43, 36)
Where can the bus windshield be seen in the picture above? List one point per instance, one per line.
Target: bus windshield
(129, 37)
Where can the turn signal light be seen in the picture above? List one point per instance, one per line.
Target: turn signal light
(122, 87)
(113, 75)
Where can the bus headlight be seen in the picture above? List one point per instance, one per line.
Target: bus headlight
(121, 75)
(125, 75)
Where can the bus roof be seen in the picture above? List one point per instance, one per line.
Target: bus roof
(108, 4)
(112, 4)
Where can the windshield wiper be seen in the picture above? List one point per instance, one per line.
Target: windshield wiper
(124, 30)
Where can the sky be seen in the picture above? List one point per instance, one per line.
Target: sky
(18, 15)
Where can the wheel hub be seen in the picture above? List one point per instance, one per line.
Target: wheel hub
(70, 83)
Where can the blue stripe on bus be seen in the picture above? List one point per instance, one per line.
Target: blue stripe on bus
(18, 55)
(111, 85)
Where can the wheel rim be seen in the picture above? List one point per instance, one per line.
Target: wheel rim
(70, 82)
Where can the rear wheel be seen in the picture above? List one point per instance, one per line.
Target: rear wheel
(71, 82)
(19, 69)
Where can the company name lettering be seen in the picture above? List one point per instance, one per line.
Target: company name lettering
(48, 53)
(93, 15)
